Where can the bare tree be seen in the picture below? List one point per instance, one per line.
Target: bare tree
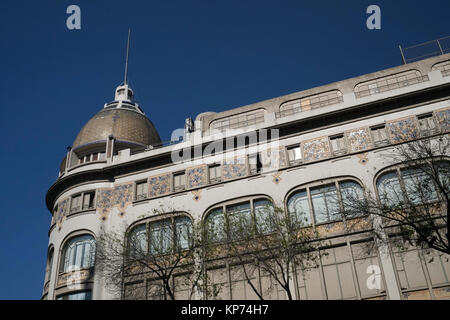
(413, 199)
(165, 256)
(268, 239)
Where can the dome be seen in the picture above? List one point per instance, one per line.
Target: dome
(123, 124)
(123, 119)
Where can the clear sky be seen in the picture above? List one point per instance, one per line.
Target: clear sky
(186, 57)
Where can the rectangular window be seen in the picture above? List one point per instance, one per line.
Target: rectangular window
(325, 203)
(75, 204)
(379, 135)
(427, 124)
(179, 181)
(183, 227)
(95, 157)
(294, 154)
(141, 190)
(254, 162)
(215, 173)
(88, 200)
(240, 218)
(161, 237)
(338, 144)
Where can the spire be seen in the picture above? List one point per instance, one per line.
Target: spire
(126, 60)
(124, 92)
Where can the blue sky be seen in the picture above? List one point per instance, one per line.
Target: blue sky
(186, 56)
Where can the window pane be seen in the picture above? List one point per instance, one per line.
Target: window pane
(79, 253)
(351, 194)
(325, 203)
(419, 186)
(138, 242)
(240, 219)
(264, 212)
(298, 207)
(389, 189)
(215, 224)
(184, 231)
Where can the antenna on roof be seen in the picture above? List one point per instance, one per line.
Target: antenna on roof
(126, 61)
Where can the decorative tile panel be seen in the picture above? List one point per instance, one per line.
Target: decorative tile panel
(104, 202)
(159, 184)
(196, 176)
(403, 129)
(273, 159)
(123, 196)
(120, 197)
(316, 149)
(61, 214)
(234, 168)
(358, 139)
(443, 119)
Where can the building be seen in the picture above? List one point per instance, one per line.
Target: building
(118, 171)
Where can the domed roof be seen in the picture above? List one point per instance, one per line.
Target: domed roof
(122, 119)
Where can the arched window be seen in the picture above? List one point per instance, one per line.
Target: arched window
(79, 253)
(227, 220)
(413, 185)
(323, 202)
(48, 269)
(159, 237)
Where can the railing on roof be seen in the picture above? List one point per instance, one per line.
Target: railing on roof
(157, 146)
(425, 50)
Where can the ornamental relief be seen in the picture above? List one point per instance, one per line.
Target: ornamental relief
(316, 149)
(358, 139)
(234, 168)
(120, 197)
(196, 176)
(402, 130)
(443, 119)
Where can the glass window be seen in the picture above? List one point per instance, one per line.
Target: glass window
(79, 253)
(161, 237)
(419, 186)
(325, 203)
(75, 203)
(351, 192)
(215, 225)
(389, 189)
(294, 154)
(138, 242)
(264, 215)
(298, 207)
(215, 173)
(85, 295)
(239, 218)
(141, 190)
(179, 181)
(183, 227)
(88, 200)
(379, 134)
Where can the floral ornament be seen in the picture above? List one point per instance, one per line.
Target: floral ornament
(196, 194)
(123, 197)
(358, 139)
(104, 202)
(196, 176)
(403, 130)
(61, 214)
(234, 168)
(276, 177)
(159, 185)
(316, 149)
(363, 159)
